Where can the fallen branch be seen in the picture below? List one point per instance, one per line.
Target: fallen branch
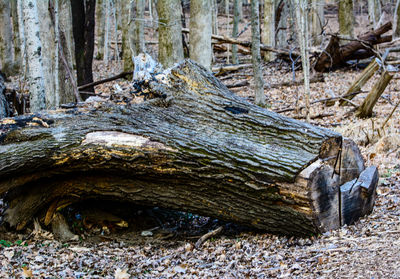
(121, 75)
(247, 44)
(207, 236)
(220, 70)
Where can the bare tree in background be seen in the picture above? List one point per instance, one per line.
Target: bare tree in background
(6, 47)
(302, 27)
(100, 20)
(128, 34)
(268, 32)
(235, 30)
(256, 55)
(140, 5)
(317, 21)
(396, 29)
(374, 11)
(170, 48)
(346, 18)
(34, 56)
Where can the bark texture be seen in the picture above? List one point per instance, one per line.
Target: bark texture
(200, 32)
(396, 29)
(346, 18)
(141, 46)
(195, 147)
(83, 31)
(256, 55)
(6, 51)
(169, 32)
(268, 31)
(128, 35)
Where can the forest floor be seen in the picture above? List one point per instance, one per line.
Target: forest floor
(164, 247)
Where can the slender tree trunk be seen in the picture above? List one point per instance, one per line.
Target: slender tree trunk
(34, 56)
(200, 32)
(268, 31)
(141, 46)
(170, 48)
(116, 49)
(302, 25)
(240, 4)
(128, 35)
(235, 30)
(346, 18)
(100, 10)
(107, 30)
(256, 55)
(374, 12)
(396, 28)
(214, 11)
(21, 31)
(83, 30)
(6, 46)
(16, 39)
(317, 21)
(281, 23)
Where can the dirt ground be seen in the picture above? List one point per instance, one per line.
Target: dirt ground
(368, 249)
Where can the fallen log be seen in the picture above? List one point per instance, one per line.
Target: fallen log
(194, 147)
(336, 56)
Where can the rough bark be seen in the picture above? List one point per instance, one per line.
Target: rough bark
(268, 31)
(83, 31)
(169, 32)
(34, 56)
(260, 98)
(16, 39)
(6, 52)
(128, 35)
(197, 147)
(200, 32)
(335, 56)
(4, 106)
(346, 18)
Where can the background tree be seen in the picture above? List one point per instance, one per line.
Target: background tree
(268, 32)
(140, 46)
(236, 19)
(346, 18)
(374, 11)
(16, 39)
(200, 32)
(83, 30)
(317, 21)
(256, 55)
(6, 51)
(170, 48)
(128, 34)
(34, 56)
(396, 28)
(100, 18)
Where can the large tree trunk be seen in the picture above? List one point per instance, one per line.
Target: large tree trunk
(169, 32)
(34, 56)
(346, 18)
(196, 147)
(200, 32)
(83, 30)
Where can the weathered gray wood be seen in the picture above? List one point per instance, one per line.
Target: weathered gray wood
(4, 108)
(196, 147)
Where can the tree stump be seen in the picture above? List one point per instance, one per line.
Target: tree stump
(194, 147)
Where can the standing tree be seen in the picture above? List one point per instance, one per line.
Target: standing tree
(128, 34)
(83, 30)
(16, 39)
(6, 52)
(317, 21)
(34, 56)
(256, 55)
(100, 18)
(235, 30)
(396, 29)
(169, 32)
(374, 12)
(200, 32)
(268, 32)
(346, 18)
(302, 27)
(141, 47)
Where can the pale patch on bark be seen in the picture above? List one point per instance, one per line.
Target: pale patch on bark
(112, 138)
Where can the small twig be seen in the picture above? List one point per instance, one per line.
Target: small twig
(389, 116)
(208, 235)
